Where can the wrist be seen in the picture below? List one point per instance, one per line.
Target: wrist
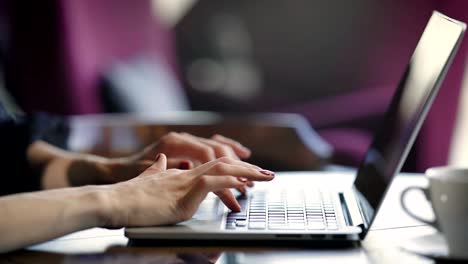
(110, 212)
(99, 203)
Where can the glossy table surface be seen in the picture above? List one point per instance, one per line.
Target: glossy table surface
(391, 229)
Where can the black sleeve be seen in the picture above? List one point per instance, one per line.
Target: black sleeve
(16, 133)
(16, 173)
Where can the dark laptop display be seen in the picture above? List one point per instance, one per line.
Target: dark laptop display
(409, 106)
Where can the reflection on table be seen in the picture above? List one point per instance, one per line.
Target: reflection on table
(277, 141)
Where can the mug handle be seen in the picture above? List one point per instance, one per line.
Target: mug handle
(405, 208)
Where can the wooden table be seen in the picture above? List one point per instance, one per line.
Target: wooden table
(390, 230)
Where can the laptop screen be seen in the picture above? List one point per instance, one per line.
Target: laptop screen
(407, 110)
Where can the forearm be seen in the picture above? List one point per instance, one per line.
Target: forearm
(28, 219)
(58, 168)
(40, 153)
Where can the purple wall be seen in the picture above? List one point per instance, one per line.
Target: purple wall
(436, 134)
(99, 33)
(57, 50)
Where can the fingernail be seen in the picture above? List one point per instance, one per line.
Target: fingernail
(242, 179)
(157, 157)
(184, 165)
(267, 172)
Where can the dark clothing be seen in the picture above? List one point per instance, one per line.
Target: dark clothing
(16, 133)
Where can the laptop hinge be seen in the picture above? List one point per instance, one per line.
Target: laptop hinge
(351, 209)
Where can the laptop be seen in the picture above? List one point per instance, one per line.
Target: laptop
(303, 208)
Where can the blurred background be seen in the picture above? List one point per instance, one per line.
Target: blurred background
(335, 62)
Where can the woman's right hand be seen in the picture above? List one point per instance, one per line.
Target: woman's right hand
(160, 197)
(193, 149)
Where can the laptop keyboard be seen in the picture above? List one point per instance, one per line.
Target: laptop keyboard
(284, 210)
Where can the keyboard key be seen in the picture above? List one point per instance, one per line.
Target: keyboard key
(241, 223)
(231, 225)
(314, 215)
(295, 226)
(314, 212)
(315, 226)
(296, 222)
(277, 214)
(272, 219)
(238, 214)
(257, 208)
(257, 225)
(257, 213)
(230, 218)
(315, 221)
(257, 220)
(276, 220)
(295, 206)
(276, 208)
(284, 226)
(296, 218)
(295, 212)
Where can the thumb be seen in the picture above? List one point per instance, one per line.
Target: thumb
(159, 165)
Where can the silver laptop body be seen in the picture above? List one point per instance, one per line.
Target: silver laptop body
(298, 206)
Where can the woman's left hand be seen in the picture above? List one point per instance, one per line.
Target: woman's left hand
(197, 150)
(184, 152)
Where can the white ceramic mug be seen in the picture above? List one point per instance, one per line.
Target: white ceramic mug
(448, 194)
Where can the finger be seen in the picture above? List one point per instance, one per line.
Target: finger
(172, 163)
(209, 183)
(220, 149)
(159, 165)
(228, 199)
(182, 164)
(238, 148)
(226, 166)
(147, 153)
(142, 165)
(220, 186)
(242, 189)
(231, 161)
(185, 145)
